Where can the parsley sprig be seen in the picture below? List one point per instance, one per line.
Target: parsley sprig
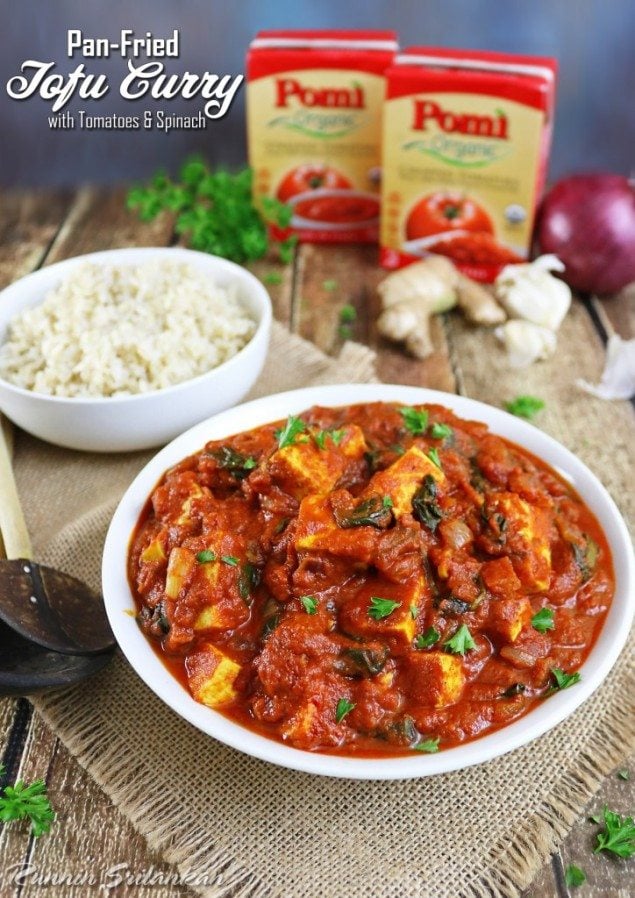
(525, 406)
(618, 835)
(543, 620)
(20, 802)
(380, 608)
(461, 642)
(286, 435)
(215, 211)
(415, 420)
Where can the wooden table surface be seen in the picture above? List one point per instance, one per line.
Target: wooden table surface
(90, 835)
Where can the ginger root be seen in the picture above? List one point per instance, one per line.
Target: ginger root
(413, 294)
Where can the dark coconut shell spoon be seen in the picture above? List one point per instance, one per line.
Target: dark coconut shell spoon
(53, 628)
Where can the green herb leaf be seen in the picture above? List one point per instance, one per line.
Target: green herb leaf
(562, 680)
(310, 604)
(543, 620)
(286, 248)
(329, 285)
(424, 505)
(348, 314)
(344, 332)
(414, 611)
(618, 835)
(525, 406)
(461, 642)
(237, 464)
(273, 278)
(287, 434)
(415, 420)
(433, 455)
(248, 581)
(427, 745)
(441, 431)
(387, 502)
(276, 212)
(343, 708)
(369, 512)
(425, 640)
(595, 818)
(206, 556)
(574, 876)
(230, 559)
(320, 437)
(624, 774)
(31, 802)
(380, 608)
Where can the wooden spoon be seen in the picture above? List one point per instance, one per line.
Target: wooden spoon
(55, 611)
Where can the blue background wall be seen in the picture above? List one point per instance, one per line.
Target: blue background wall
(593, 40)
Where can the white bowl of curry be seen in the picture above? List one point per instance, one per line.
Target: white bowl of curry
(375, 581)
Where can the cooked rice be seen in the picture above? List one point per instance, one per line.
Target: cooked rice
(115, 330)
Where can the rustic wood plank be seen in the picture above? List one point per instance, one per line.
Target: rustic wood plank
(330, 277)
(607, 876)
(617, 314)
(90, 835)
(545, 884)
(28, 225)
(278, 281)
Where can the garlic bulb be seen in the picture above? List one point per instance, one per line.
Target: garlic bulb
(526, 342)
(532, 293)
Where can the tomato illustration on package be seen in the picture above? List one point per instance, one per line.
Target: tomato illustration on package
(466, 139)
(314, 107)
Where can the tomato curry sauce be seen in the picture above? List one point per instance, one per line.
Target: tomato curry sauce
(370, 579)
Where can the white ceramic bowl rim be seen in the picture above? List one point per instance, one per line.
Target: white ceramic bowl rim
(545, 716)
(129, 256)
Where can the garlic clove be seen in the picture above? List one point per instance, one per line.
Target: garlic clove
(526, 342)
(618, 377)
(530, 292)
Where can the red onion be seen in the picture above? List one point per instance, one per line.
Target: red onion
(588, 221)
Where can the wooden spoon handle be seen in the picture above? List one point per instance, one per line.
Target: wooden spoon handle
(12, 524)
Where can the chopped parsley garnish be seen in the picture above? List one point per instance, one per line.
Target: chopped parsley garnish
(348, 313)
(387, 502)
(525, 406)
(414, 612)
(543, 620)
(562, 680)
(31, 802)
(427, 745)
(206, 556)
(424, 504)
(624, 774)
(273, 278)
(425, 640)
(618, 836)
(343, 708)
(415, 420)
(380, 608)
(310, 604)
(286, 435)
(574, 876)
(461, 642)
(286, 248)
(433, 455)
(320, 437)
(329, 285)
(230, 559)
(440, 431)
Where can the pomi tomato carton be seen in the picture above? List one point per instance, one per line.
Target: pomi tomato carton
(466, 139)
(314, 106)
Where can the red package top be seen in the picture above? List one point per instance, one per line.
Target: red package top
(280, 51)
(526, 79)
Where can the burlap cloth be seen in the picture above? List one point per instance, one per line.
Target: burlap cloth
(239, 827)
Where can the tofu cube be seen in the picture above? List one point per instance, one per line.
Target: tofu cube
(154, 551)
(212, 676)
(403, 478)
(508, 617)
(356, 619)
(181, 564)
(435, 679)
(195, 493)
(528, 529)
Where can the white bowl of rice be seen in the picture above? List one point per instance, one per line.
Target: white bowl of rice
(125, 349)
